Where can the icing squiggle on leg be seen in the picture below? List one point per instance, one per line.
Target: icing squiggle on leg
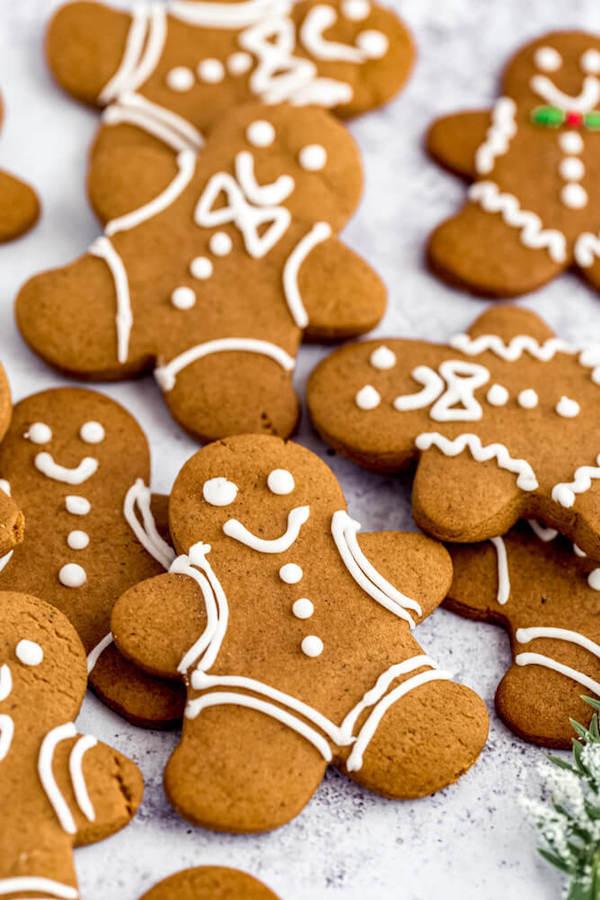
(526, 480)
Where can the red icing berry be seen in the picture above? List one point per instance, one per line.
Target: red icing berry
(574, 118)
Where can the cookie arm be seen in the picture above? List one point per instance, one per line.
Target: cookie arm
(453, 140)
(416, 565)
(19, 207)
(155, 623)
(341, 294)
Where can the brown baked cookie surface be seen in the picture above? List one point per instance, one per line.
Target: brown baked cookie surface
(294, 637)
(215, 281)
(210, 883)
(78, 464)
(502, 420)
(166, 74)
(19, 204)
(545, 591)
(11, 517)
(532, 210)
(58, 788)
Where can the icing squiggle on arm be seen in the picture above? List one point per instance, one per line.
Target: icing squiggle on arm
(498, 135)
(103, 248)
(526, 480)
(57, 801)
(317, 235)
(95, 654)
(526, 635)
(143, 48)
(503, 576)
(147, 534)
(173, 130)
(564, 492)
(85, 743)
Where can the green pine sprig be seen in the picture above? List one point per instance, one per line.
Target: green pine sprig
(569, 824)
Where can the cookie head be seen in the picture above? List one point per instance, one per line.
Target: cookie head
(560, 70)
(260, 492)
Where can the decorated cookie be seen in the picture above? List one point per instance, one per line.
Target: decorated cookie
(11, 518)
(210, 883)
(166, 73)
(503, 422)
(19, 205)
(78, 464)
(214, 281)
(293, 636)
(545, 591)
(532, 208)
(58, 788)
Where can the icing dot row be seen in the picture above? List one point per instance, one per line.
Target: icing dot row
(211, 71)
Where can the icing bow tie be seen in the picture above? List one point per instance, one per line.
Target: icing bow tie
(554, 117)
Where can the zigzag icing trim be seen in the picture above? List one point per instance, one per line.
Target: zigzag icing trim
(587, 247)
(498, 135)
(564, 492)
(526, 480)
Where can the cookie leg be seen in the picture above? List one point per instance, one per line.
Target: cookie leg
(476, 250)
(234, 392)
(19, 207)
(425, 741)
(239, 770)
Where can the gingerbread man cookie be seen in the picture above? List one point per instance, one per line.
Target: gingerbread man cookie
(294, 643)
(11, 518)
(532, 209)
(215, 280)
(166, 73)
(545, 591)
(502, 420)
(19, 204)
(210, 883)
(58, 788)
(78, 464)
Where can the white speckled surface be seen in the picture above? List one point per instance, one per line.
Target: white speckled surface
(469, 841)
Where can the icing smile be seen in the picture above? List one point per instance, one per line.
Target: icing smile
(45, 464)
(586, 100)
(296, 519)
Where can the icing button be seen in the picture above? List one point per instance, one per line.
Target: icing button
(239, 63)
(180, 79)
(201, 268)
(290, 573)
(567, 408)
(77, 506)
(574, 196)
(211, 70)
(571, 142)
(528, 399)
(220, 244)
(72, 575)
(260, 133)
(497, 395)
(312, 645)
(183, 298)
(303, 608)
(78, 540)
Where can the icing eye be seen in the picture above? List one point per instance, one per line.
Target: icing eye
(383, 358)
(374, 44)
(590, 62)
(260, 133)
(280, 481)
(29, 653)
(92, 433)
(547, 59)
(219, 491)
(312, 157)
(38, 433)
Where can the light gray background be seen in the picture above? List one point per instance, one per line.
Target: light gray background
(469, 841)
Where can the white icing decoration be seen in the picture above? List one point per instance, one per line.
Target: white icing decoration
(383, 358)
(564, 492)
(280, 481)
(296, 519)
(498, 135)
(544, 534)
(570, 141)
(303, 608)
(503, 576)
(571, 168)
(574, 196)
(166, 374)
(547, 59)
(85, 743)
(528, 399)
(175, 131)
(5, 486)
(103, 249)
(219, 491)
(29, 653)
(356, 10)
(590, 62)
(594, 579)
(320, 232)
(44, 886)
(4, 560)
(57, 801)
(180, 79)
(313, 157)
(211, 70)
(583, 102)
(497, 395)
(578, 551)
(567, 408)
(225, 15)
(262, 195)
(92, 432)
(5, 682)
(45, 464)
(290, 573)
(143, 49)
(312, 645)
(77, 506)
(587, 247)
(433, 386)
(526, 476)
(139, 497)
(239, 63)
(7, 732)
(374, 44)
(186, 165)
(201, 267)
(72, 575)
(260, 133)
(318, 20)
(183, 298)
(488, 195)
(463, 379)
(525, 635)
(368, 397)
(95, 654)
(39, 433)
